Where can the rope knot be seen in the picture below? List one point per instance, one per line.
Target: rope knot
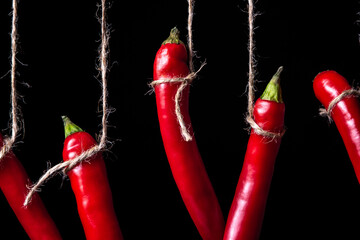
(6, 148)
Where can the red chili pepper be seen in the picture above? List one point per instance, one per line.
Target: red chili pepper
(184, 158)
(248, 206)
(34, 218)
(90, 185)
(346, 113)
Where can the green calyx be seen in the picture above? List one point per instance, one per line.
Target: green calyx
(70, 127)
(273, 90)
(174, 37)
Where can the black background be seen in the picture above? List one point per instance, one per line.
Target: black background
(314, 192)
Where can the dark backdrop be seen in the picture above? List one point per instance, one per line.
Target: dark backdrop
(314, 193)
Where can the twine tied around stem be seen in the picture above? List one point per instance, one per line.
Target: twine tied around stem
(345, 94)
(259, 131)
(185, 81)
(65, 167)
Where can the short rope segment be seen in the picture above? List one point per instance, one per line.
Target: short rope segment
(345, 94)
(67, 166)
(184, 130)
(6, 148)
(9, 141)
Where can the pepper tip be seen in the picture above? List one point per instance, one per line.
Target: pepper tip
(273, 90)
(276, 78)
(70, 127)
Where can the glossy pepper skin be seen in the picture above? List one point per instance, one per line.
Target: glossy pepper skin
(248, 207)
(34, 218)
(91, 188)
(346, 113)
(184, 158)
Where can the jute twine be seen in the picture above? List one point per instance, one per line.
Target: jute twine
(9, 141)
(67, 166)
(191, 4)
(185, 81)
(345, 94)
(252, 73)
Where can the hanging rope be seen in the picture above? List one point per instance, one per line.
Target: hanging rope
(189, 38)
(8, 142)
(65, 167)
(252, 74)
(103, 59)
(252, 60)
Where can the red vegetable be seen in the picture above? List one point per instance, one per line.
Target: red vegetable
(346, 113)
(184, 158)
(34, 218)
(90, 186)
(248, 206)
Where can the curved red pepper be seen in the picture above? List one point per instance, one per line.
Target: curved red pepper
(346, 113)
(248, 206)
(184, 158)
(90, 185)
(34, 218)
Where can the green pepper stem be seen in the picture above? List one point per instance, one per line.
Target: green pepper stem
(70, 127)
(174, 37)
(273, 89)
